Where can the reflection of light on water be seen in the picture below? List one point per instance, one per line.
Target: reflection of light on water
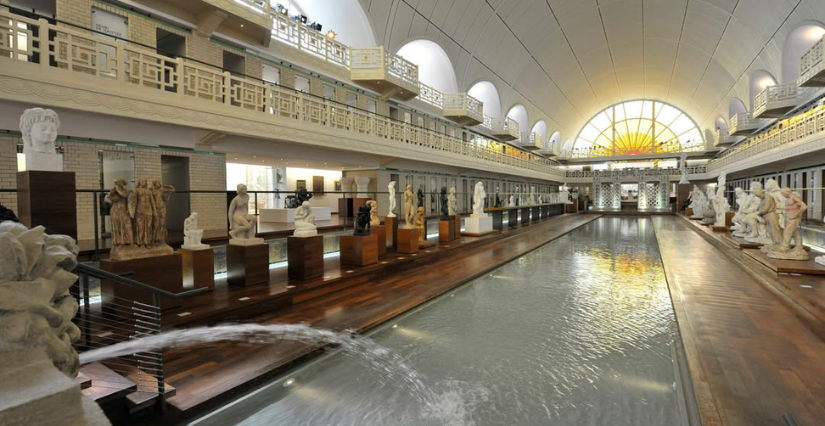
(504, 277)
(644, 384)
(413, 333)
(313, 393)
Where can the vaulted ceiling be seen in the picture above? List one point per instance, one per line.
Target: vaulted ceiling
(566, 60)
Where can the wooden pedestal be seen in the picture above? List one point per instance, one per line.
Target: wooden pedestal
(729, 219)
(446, 231)
(391, 223)
(457, 225)
(512, 218)
(359, 250)
(570, 208)
(198, 268)
(682, 193)
(348, 207)
(380, 232)
(689, 212)
(48, 199)
(525, 215)
(247, 265)
(407, 240)
(163, 272)
(305, 256)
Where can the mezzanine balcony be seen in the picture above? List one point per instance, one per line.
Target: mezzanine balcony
(463, 109)
(531, 141)
(812, 66)
(776, 101)
(386, 73)
(743, 124)
(309, 41)
(551, 150)
(504, 128)
(721, 138)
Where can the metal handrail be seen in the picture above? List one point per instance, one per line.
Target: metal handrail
(105, 275)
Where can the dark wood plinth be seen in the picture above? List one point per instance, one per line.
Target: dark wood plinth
(305, 256)
(48, 199)
(719, 228)
(571, 208)
(512, 218)
(359, 250)
(407, 240)
(163, 272)
(380, 232)
(348, 207)
(729, 219)
(392, 231)
(689, 212)
(198, 268)
(809, 266)
(535, 213)
(446, 230)
(247, 265)
(457, 225)
(525, 215)
(498, 219)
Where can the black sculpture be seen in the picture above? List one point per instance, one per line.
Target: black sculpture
(420, 196)
(445, 210)
(362, 221)
(7, 214)
(432, 200)
(295, 201)
(498, 200)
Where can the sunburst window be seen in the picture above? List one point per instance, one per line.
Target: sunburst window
(638, 128)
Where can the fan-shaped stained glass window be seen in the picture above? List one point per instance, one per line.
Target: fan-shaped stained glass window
(638, 128)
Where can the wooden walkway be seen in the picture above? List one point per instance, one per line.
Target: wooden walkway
(207, 375)
(752, 355)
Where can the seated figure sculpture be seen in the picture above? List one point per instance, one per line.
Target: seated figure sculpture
(794, 207)
(741, 199)
(192, 234)
(709, 214)
(760, 221)
(304, 222)
(241, 222)
(362, 221)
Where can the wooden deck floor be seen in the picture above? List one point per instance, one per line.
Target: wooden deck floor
(212, 373)
(752, 355)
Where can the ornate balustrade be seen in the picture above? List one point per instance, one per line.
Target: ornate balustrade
(300, 36)
(812, 66)
(531, 141)
(463, 108)
(124, 69)
(505, 128)
(675, 173)
(722, 138)
(384, 72)
(775, 101)
(743, 124)
(430, 96)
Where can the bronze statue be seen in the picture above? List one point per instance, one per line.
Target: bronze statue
(445, 206)
(362, 221)
(119, 212)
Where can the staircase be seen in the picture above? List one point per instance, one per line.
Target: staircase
(116, 394)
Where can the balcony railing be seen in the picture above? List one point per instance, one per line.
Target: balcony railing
(785, 133)
(302, 37)
(258, 6)
(505, 127)
(430, 96)
(62, 51)
(812, 66)
(674, 172)
(722, 138)
(775, 101)
(463, 101)
(531, 141)
(743, 124)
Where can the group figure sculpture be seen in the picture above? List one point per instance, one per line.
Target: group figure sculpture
(297, 200)
(138, 218)
(698, 202)
(421, 224)
(304, 221)
(794, 207)
(242, 224)
(362, 221)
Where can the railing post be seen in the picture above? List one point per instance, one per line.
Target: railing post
(43, 39)
(83, 292)
(120, 57)
(159, 368)
(181, 78)
(227, 88)
(96, 233)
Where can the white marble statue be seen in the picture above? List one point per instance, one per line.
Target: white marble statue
(479, 195)
(242, 223)
(391, 190)
(531, 201)
(683, 168)
(738, 218)
(39, 128)
(773, 189)
(709, 214)
(697, 202)
(794, 208)
(564, 194)
(304, 221)
(720, 206)
(451, 202)
(512, 201)
(756, 220)
(192, 234)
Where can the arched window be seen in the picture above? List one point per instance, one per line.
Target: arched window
(638, 128)
(434, 66)
(486, 92)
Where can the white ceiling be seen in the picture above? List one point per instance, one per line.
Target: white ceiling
(566, 60)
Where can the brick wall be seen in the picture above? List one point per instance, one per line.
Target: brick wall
(78, 12)
(8, 171)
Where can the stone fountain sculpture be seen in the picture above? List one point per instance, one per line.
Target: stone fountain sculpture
(39, 128)
(451, 202)
(794, 208)
(408, 208)
(139, 219)
(36, 331)
(391, 198)
(374, 220)
(242, 224)
(304, 221)
(192, 234)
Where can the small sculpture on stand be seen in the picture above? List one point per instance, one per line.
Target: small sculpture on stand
(192, 234)
(498, 199)
(408, 208)
(531, 199)
(420, 223)
(451, 202)
(420, 197)
(374, 221)
(445, 208)
(362, 221)
(478, 200)
(304, 221)
(242, 223)
(391, 198)
(432, 200)
(119, 213)
(162, 193)
(794, 207)
(512, 202)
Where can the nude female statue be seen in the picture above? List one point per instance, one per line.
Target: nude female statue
(142, 208)
(408, 213)
(391, 190)
(121, 222)
(242, 223)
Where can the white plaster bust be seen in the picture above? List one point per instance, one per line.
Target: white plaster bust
(39, 128)
(192, 234)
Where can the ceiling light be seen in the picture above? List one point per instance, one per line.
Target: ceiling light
(331, 35)
(241, 25)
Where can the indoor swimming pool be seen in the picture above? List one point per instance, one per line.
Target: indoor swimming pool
(578, 332)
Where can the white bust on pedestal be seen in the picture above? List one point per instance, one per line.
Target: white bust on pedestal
(192, 235)
(39, 128)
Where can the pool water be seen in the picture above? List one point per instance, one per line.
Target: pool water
(578, 332)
